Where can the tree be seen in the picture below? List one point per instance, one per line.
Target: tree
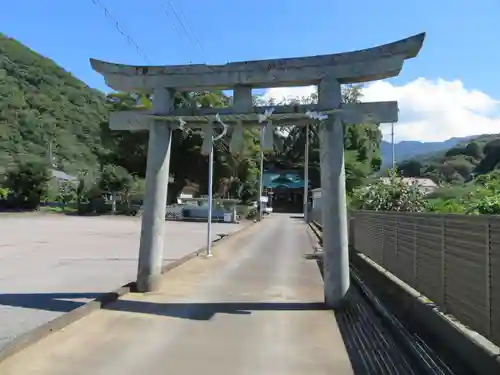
(67, 192)
(129, 150)
(410, 168)
(491, 157)
(473, 150)
(489, 205)
(28, 184)
(462, 166)
(41, 103)
(114, 179)
(237, 175)
(4, 193)
(361, 144)
(485, 199)
(136, 190)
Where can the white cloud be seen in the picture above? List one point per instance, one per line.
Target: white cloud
(430, 110)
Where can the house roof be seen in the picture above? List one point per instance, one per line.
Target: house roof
(282, 180)
(424, 182)
(60, 175)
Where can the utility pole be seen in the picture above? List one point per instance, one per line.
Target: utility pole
(210, 184)
(51, 156)
(306, 175)
(210, 197)
(261, 173)
(393, 150)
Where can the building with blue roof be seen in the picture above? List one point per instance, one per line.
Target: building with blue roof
(285, 190)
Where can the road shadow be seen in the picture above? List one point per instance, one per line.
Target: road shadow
(58, 302)
(299, 217)
(87, 214)
(207, 310)
(367, 343)
(65, 302)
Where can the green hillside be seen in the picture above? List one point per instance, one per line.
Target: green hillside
(42, 103)
(460, 163)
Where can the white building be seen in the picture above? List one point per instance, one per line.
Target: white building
(424, 184)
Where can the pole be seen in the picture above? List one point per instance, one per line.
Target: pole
(210, 183)
(261, 173)
(261, 179)
(51, 159)
(334, 208)
(212, 139)
(155, 197)
(306, 175)
(393, 150)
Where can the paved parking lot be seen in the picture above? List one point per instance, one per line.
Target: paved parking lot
(257, 309)
(48, 263)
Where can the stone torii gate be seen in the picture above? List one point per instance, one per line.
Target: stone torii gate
(328, 72)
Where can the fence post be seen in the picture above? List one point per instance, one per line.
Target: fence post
(383, 244)
(352, 231)
(489, 318)
(443, 263)
(396, 247)
(415, 254)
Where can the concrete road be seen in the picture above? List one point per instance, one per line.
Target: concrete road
(254, 308)
(45, 259)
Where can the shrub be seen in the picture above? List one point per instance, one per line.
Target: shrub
(252, 213)
(4, 193)
(28, 184)
(446, 206)
(489, 205)
(395, 196)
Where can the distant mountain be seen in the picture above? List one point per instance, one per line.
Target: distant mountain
(471, 157)
(408, 149)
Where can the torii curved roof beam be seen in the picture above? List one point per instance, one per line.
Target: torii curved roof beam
(351, 67)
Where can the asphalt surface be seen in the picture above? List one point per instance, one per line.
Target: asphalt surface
(254, 308)
(50, 264)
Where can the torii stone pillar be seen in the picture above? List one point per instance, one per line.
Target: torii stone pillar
(155, 197)
(327, 71)
(334, 205)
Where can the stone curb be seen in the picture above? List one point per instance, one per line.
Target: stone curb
(33, 336)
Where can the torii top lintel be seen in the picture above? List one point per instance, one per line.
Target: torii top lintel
(365, 65)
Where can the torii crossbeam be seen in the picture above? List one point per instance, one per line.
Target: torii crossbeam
(352, 113)
(328, 72)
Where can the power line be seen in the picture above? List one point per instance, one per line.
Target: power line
(165, 11)
(191, 29)
(120, 29)
(169, 14)
(186, 27)
(191, 39)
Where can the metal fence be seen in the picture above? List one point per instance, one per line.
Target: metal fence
(454, 260)
(315, 210)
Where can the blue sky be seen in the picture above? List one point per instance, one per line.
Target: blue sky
(461, 45)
